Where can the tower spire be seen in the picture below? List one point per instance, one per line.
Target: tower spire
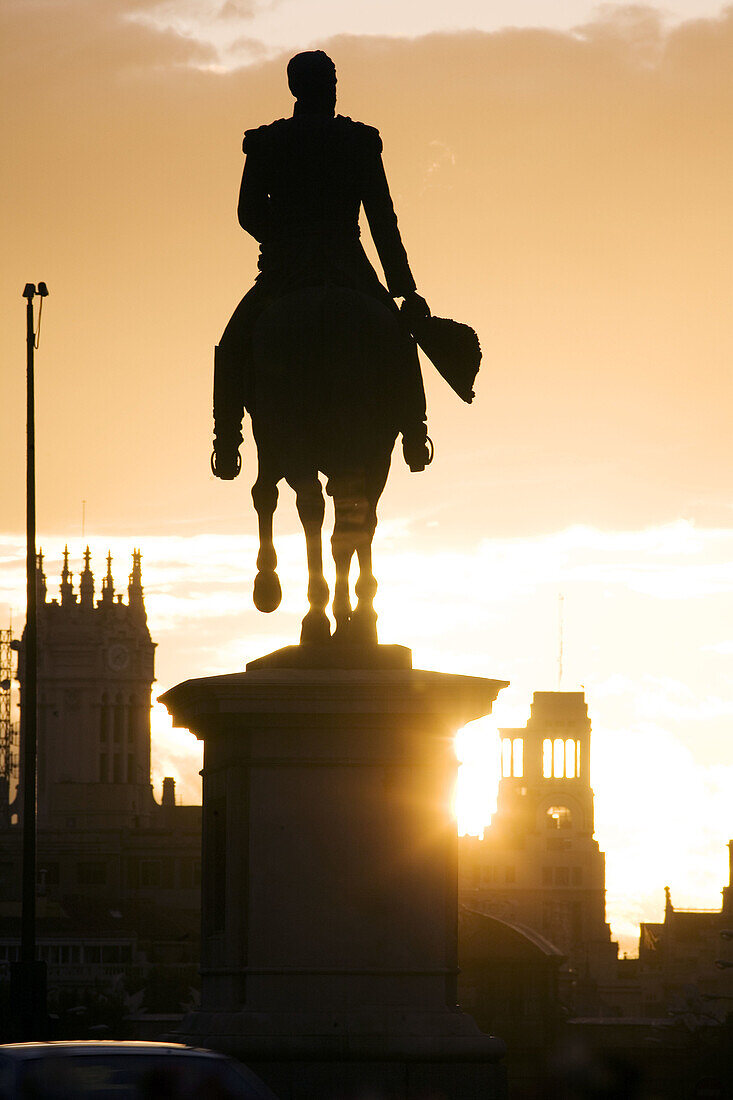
(40, 578)
(86, 582)
(135, 587)
(108, 584)
(67, 589)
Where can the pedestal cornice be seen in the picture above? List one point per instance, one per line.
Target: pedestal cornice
(249, 697)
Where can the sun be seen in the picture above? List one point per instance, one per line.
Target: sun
(478, 750)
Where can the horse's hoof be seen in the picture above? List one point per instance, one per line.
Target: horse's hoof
(315, 629)
(267, 592)
(363, 628)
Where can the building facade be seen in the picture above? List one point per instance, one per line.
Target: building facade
(685, 965)
(539, 864)
(118, 874)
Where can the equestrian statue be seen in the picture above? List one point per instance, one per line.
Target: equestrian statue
(318, 352)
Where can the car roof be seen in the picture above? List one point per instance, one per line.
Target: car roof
(103, 1046)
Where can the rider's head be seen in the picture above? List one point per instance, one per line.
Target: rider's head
(312, 80)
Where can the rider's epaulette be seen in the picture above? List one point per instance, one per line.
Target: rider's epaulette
(255, 139)
(366, 135)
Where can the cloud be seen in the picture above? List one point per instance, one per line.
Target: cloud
(82, 42)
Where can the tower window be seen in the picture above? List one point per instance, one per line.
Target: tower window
(104, 718)
(560, 758)
(512, 757)
(559, 817)
(570, 759)
(506, 757)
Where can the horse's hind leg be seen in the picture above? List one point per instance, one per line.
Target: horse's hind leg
(347, 493)
(309, 502)
(267, 592)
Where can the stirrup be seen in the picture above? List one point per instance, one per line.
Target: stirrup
(226, 462)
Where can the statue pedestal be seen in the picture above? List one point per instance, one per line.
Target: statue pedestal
(329, 875)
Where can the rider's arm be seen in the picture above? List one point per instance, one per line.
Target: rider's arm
(383, 226)
(253, 210)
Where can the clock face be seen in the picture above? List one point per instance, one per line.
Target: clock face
(118, 657)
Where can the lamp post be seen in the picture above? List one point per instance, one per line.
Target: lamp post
(29, 974)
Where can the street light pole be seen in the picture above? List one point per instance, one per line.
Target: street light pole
(30, 974)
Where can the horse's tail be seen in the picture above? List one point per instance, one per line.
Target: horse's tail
(267, 592)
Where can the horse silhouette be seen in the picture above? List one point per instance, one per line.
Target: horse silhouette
(325, 393)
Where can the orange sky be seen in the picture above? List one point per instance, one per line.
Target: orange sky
(566, 192)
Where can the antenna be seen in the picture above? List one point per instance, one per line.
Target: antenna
(83, 517)
(560, 638)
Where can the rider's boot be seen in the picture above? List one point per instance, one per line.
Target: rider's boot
(417, 446)
(228, 413)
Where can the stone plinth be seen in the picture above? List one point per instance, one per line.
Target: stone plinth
(329, 891)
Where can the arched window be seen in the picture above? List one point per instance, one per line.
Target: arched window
(559, 817)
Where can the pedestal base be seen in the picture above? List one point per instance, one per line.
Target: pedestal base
(329, 893)
(394, 1056)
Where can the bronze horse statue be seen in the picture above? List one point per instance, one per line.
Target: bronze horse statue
(317, 351)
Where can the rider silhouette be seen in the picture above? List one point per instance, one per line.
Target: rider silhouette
(305, 179)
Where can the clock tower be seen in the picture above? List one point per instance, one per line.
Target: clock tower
(95, 675)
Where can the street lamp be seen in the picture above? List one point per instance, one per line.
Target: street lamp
(28, 976)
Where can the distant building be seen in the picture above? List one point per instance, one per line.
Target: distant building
(685, 965)
(539, 865)
(674, 1027)
(118, 874)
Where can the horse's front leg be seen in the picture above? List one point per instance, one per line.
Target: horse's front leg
(309, 502)
(363, 628)
(267, 592)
